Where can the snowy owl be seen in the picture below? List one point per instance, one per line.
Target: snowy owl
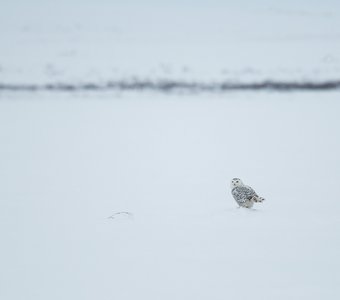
(244, 195)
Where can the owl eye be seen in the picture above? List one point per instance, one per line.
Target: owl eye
(236, 181)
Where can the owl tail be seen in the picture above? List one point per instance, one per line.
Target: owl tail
(258, 199)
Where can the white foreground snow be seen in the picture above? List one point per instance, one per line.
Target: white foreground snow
(68, 162)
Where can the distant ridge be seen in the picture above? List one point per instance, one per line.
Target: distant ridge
(173, 85)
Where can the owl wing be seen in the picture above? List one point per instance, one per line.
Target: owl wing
(251, 191)
(243, 193)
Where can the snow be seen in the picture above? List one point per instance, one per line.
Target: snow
(68, 163)
(71, 161)
(94, 41)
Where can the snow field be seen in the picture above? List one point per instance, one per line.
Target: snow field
(68, 162)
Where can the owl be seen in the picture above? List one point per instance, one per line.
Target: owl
(244, 195)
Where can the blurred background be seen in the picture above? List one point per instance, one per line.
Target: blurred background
(97, 41)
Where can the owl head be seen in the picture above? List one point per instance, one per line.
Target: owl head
(236, 182)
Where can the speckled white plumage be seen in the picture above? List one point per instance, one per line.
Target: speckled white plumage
(244, 195)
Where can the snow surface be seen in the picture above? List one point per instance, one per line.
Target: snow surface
(69, 162)
(94, 41)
